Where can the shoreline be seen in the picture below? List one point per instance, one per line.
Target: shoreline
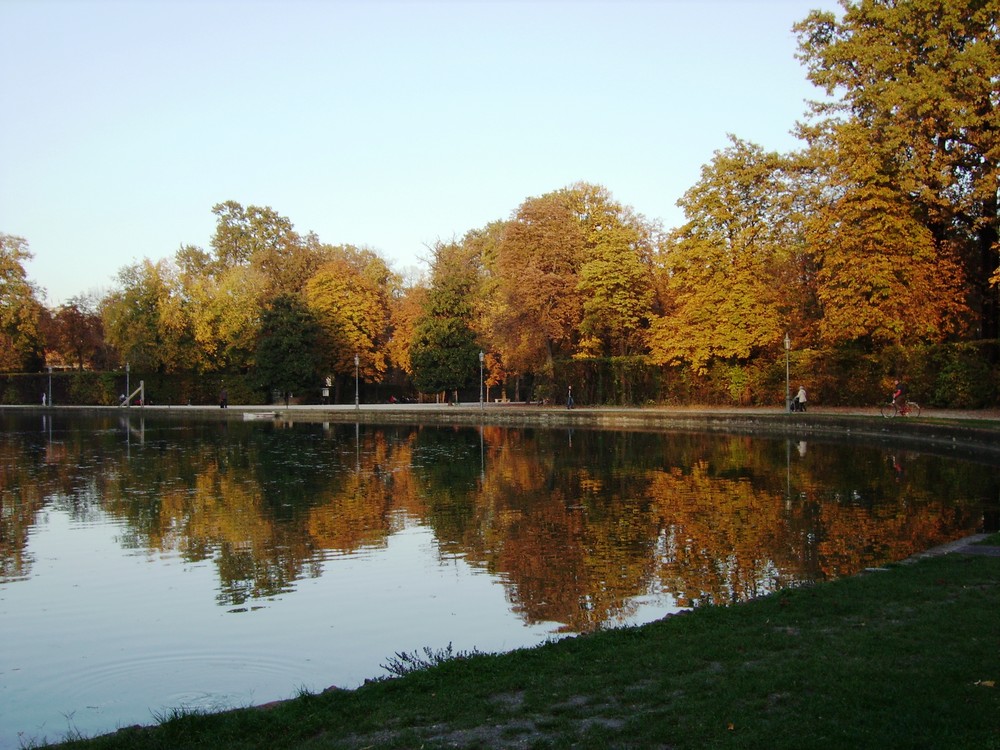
(856, 662)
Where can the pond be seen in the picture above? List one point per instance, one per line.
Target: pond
(150, 565)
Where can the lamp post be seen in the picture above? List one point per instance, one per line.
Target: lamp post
(50, 385)
(788, 345)
(357, 403)
(128, 388)
(481, 357)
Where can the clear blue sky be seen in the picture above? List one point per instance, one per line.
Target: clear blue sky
(381, 124)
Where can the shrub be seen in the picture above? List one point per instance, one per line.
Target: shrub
(963, 377)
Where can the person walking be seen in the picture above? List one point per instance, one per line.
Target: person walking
(799, 402)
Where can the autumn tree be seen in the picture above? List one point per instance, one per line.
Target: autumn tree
(226, 309)
(145, 319)
(405, 311)
(20, 310)
(257, 256)
(882, 278)
(350, 295)
(192, 263)
(259, 237)
(730, 269)
(616, 283)
(917, 82)
(76, 332)
(569, 274)
(245, 235)
(537, 307)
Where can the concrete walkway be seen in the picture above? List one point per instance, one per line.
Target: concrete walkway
(969, 545)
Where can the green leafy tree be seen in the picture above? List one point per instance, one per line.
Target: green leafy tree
(489, 315)
(444, 353)
(259, 237)
(20, 311)
(286, 359)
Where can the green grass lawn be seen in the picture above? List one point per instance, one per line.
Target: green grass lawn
(907, 657)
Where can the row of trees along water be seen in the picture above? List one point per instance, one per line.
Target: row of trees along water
(875, 246)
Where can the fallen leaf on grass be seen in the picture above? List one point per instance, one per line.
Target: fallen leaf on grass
(985, 683)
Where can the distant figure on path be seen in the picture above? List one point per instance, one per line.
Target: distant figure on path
(223, 399)
(799, 402)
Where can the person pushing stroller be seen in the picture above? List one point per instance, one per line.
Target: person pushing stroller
(799, 402)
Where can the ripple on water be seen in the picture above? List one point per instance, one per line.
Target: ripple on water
(143, 688)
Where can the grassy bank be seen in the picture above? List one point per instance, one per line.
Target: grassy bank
(900, 658)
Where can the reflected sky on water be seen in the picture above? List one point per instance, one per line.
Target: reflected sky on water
(149, 564)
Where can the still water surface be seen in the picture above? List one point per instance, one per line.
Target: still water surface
(150, 565)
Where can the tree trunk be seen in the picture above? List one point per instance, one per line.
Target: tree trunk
(990, 259)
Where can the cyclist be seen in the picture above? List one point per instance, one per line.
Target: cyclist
(899, 396)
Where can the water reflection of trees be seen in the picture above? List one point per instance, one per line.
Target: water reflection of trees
(577, 525)
(21, 497)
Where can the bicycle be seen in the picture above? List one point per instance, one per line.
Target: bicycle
(891, 409)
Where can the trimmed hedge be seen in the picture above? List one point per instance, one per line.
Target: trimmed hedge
(962, 375)
(106, 388)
